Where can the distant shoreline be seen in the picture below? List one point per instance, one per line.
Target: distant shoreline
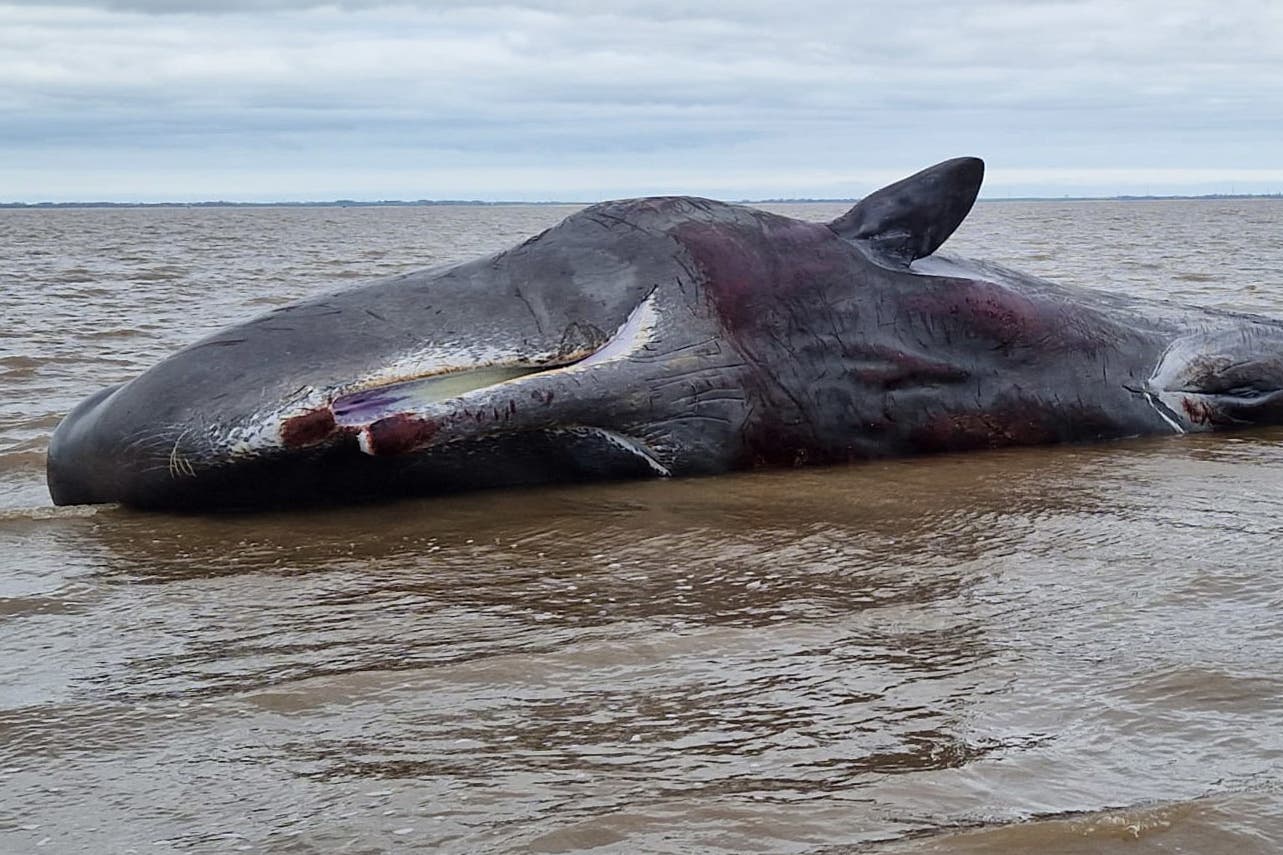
(435, 203)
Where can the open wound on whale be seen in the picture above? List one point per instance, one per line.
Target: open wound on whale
(369, 409)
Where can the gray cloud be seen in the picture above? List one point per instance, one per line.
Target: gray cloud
(747, 98)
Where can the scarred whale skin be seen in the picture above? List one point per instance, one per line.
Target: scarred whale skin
(663, 337)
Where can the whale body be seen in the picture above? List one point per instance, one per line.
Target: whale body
(663, 337)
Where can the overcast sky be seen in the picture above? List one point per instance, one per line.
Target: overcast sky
(582, 100)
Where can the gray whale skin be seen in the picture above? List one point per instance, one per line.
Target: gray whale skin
(657, 337)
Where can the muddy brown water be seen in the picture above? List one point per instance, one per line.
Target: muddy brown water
(1066, 650)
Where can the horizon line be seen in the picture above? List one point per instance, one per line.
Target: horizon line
(427, 203)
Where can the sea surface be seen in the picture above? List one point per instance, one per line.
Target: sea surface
(1056, 650)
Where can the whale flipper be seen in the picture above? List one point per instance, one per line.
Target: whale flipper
(911, 218)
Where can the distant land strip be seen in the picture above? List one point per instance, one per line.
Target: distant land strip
(430, 203)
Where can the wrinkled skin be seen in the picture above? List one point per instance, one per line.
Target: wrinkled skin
(664, 337)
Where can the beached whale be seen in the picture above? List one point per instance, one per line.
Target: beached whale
(664, 337)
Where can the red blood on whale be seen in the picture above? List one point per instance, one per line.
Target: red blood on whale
(400, 433)
(309, 428)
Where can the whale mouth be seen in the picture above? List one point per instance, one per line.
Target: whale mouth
(406, 415)
(353, 413)
(357, 409)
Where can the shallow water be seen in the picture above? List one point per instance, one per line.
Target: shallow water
(1064, 650)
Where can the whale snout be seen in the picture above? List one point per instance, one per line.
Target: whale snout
(81, 468)
(111, 448)
(121, 444)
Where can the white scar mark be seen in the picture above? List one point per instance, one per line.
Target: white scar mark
(178, 464)
(1162, 411)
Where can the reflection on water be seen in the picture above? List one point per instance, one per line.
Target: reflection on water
(899, 657)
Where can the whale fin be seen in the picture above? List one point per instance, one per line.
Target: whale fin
(911, 218)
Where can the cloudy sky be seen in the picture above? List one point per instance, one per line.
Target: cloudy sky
(589, 99)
